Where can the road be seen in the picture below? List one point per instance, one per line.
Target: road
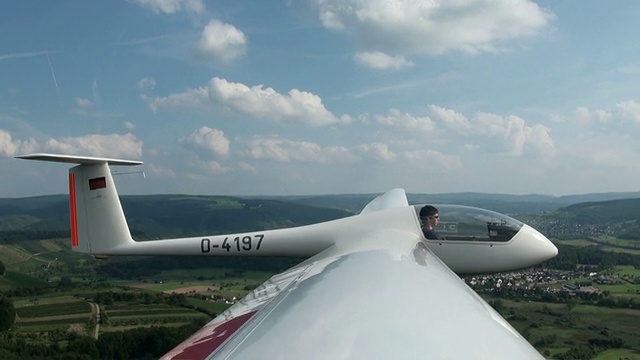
(95, 310)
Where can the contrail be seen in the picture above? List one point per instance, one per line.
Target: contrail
(97, 99)
(21, 55)
(53, 74)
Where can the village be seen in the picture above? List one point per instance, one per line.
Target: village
(584, 282)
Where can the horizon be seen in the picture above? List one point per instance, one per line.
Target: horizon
(409, 194)
(324, 97)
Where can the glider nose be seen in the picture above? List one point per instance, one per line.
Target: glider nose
(552, 250)
(541, 247)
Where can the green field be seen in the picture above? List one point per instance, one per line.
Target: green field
(10, 254)
(170, 286)
(219, 274)
(210, 306)
(215, 202)
(47, 310)
(557, 327)
(122, 316)
(58, 300)
(44, 317)
(40, 316)
(620, 250)
(627, 270)
(12, 280)
(617, 354)
(552, 328)
(576, 242)
(621, 289)
(606, 243)
(620, 242)
(222, 282)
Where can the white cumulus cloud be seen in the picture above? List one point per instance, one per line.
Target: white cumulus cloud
(10, 147)
(191, 98)
(207, 142)
(160, 171)
(597, 150)
(258, 102)
(584, 116)
(283, 150)
(434, 160)
(220, 41)
(172, 6)
(247, 167)
(377, 151)
(214, 167)
(83, 103)
(407, 122)
(507, 134)
(146, 83)
(629, 109)
(381, 61)
(125, 146)
(623, 113)
(129, 126)
(432, 27)
(113, 145)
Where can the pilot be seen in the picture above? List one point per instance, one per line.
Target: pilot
(429, 217)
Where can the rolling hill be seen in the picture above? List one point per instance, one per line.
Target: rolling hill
(155, 216)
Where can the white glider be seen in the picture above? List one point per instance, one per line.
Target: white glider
(373, 287)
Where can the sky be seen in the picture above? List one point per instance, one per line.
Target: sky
(300, 97)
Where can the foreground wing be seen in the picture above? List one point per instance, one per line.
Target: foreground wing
(394, 302)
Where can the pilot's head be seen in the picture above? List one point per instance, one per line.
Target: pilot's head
(429, 216)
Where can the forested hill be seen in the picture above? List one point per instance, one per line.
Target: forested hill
(503, 203)
(158, 216)
(164, 215)
(612, 211)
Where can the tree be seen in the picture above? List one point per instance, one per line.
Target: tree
(83, 345)
(497, 305)
(7, 314)
(65, 281)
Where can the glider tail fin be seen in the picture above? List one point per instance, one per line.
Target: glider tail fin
(97, 222)
(391, 199)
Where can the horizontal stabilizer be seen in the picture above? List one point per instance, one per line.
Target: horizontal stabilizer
(82, 160)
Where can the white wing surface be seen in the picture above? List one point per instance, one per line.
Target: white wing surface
(394, 302)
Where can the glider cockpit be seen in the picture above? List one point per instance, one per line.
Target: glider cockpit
(473, 240)
(466, 223)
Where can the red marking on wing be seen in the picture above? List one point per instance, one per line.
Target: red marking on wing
(208, 339)
(73, 218)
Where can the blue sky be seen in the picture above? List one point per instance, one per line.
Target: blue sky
(324, 96)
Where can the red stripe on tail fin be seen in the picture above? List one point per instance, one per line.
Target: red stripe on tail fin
(73, 217)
